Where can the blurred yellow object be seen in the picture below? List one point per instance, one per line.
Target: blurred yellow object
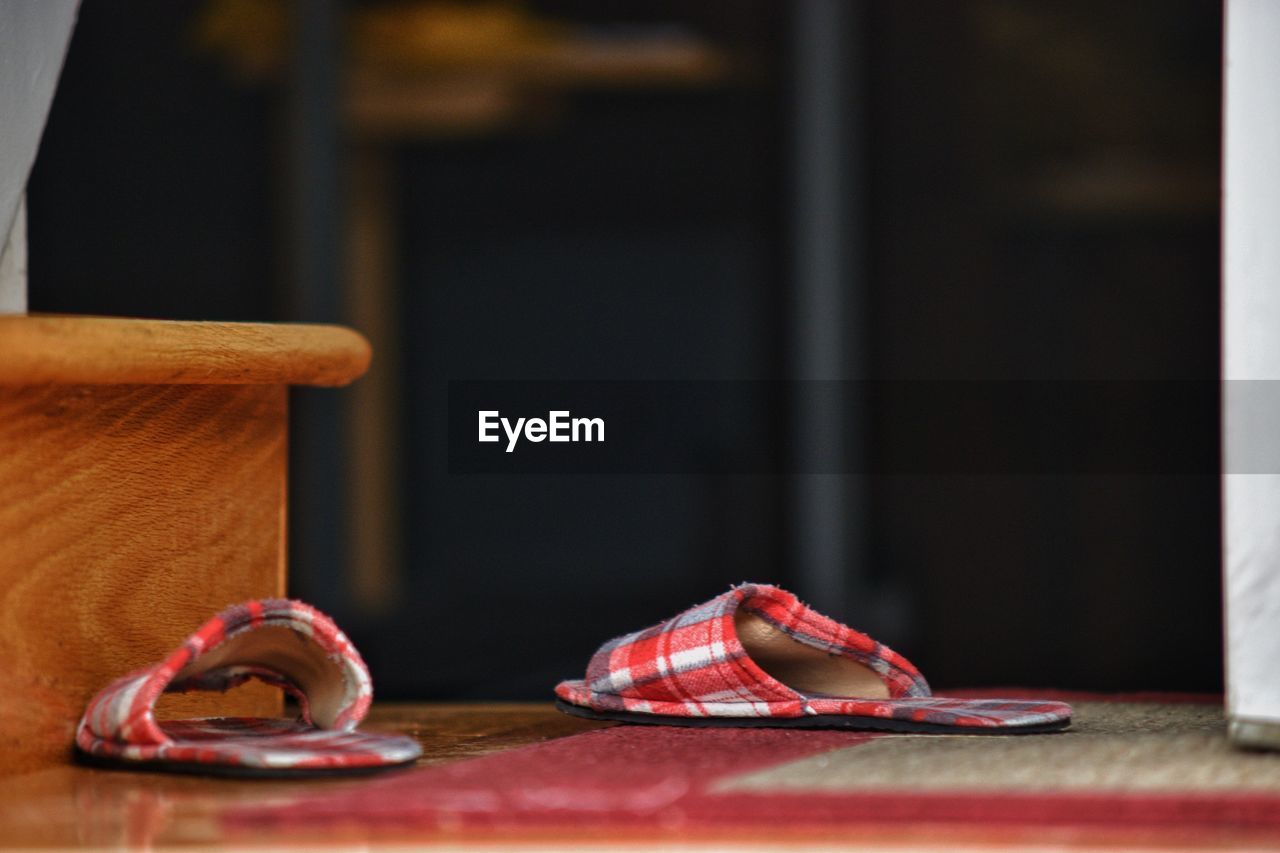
(439, 67)
(250, 34)
(427, 37)
(430, 35)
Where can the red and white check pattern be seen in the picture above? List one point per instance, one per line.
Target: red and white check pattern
(120, 721)
(695, 666)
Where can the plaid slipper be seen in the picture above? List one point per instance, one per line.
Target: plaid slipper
(284, 643)
(758, 656)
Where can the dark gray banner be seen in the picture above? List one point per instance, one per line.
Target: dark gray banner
(903, 427)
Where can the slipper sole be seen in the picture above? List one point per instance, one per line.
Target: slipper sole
(230, 771)
(820, 721)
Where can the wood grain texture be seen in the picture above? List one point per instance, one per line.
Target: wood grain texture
(128, 515)
(113, 350)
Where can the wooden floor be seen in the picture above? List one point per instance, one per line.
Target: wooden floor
(71, 806)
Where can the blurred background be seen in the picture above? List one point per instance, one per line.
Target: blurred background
(720, 189)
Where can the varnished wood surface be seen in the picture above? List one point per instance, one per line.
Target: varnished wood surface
(129, 514)
(114, 350)
(70, 806)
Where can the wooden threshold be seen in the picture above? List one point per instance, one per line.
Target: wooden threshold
(81, 350)
(143, 469)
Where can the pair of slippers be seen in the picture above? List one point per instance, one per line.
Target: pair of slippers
(754, 656)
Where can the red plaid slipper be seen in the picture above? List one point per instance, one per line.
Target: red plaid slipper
(284, 643)
(758, 656)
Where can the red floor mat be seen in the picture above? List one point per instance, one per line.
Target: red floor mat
(652, 779)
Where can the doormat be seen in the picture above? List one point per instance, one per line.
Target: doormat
(1136, 769)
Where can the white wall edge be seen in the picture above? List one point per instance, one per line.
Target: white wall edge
(1251, 356)
(13, 264)
(34, 35)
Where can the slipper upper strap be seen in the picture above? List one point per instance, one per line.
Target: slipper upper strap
(697, 658)
(285, 643)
